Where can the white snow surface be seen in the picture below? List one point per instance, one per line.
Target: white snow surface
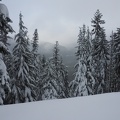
(97, 107)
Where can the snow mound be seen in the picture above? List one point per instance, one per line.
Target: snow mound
(97, 107)
(4, 10)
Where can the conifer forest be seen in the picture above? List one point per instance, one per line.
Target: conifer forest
(26, 75)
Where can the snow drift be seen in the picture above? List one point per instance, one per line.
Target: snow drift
(4, 10)
(98, 107)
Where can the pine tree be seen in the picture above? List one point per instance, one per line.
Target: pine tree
(100, 53)
(35, 42)
(40, 72)
(8, 58)
(35, 56)
(48, 82)
(56, 57)
(54, 77)
(60, 71)
(5, 28)
(35, 59)
(22, 88)
(64, 75)
(117, 59)
(111, 77)
(89, 63)
(42, 63)
(96, 21)
(83, 81)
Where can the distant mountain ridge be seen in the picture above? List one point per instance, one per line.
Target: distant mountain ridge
(46, 48)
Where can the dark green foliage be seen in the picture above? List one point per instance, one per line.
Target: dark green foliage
(100, 53)
(35, 42)
(116, 56)
(22, 88)
(96, 21)
(83, 82)
(5, 28)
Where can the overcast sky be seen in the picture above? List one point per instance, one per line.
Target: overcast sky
(59, 20)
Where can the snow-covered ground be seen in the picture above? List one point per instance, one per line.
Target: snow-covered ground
(97, 107)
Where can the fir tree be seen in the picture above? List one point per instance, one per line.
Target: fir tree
(49, 83)
(112, 74)
(117, 59)
(43, 61)
(97, 22)
(40, 72)
(64, 74)
(35, 59)
(83, 82)
(89, 63)
(5, 28)
(35, 42)
(60, 71)
(54, 77)
(22, 88)
(99, 53)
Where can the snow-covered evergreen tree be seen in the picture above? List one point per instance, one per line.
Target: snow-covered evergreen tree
(54, 77)
(35, 59)
(116, 56)
(35, 42)
(22, 88)
(49, 83)
(8, 58)
(5, 28)
(35, 56)
(111, 72)
(99, 53)
(64, 75)
(89, 63)
(83, 82)
(60, 71)
(43, 61)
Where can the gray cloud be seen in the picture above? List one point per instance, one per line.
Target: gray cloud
(60, 19)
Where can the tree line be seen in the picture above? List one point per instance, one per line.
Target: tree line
(26, 75)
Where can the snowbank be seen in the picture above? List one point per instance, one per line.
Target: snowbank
(4, 10)
(97, 107)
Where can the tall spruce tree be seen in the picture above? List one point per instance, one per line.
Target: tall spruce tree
(5, 28)
(43, 61)
(112, 74)
(89, 63)
(100, 53)
(64, 75)
(116, 52)
(42, 75)
(83, 82)
(35, 42)
(22, 88)
(35, 59)
(60, 71)
(48, 83)
(55, 77)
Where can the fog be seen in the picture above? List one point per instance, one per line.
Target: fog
(59, 20)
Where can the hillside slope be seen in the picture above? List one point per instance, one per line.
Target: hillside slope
(97, 107)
